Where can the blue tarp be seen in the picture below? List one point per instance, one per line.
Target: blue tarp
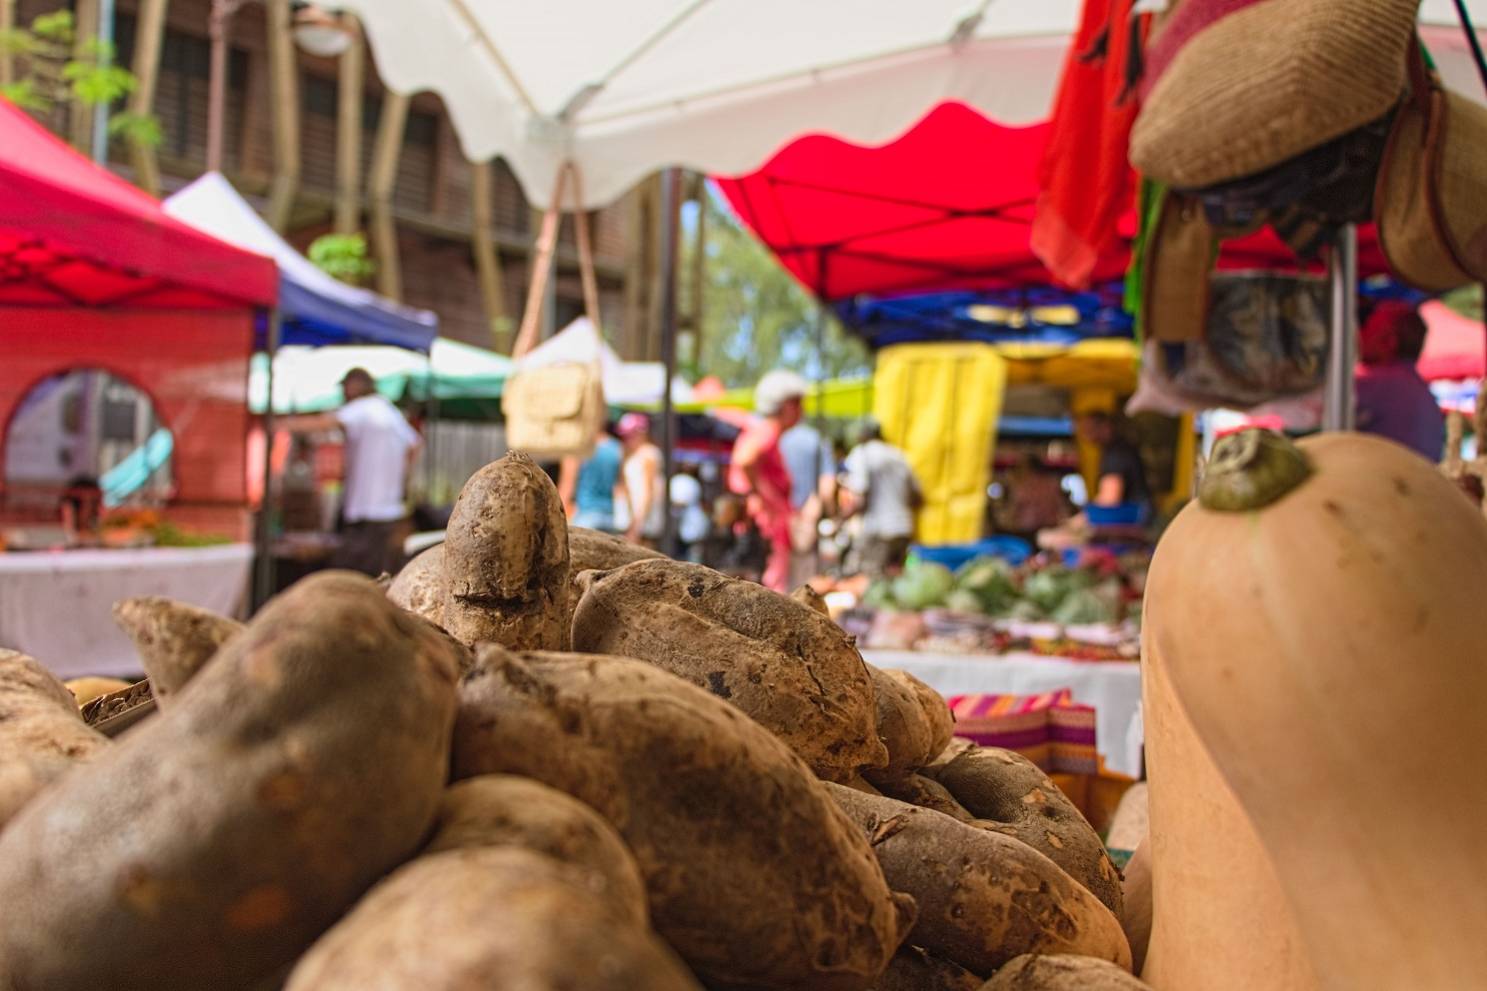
(1051, 316)
(316, 309)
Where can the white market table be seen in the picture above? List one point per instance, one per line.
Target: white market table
(1112, 687)
(56, 606)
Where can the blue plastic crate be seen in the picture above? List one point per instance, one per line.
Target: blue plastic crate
(1013, 550)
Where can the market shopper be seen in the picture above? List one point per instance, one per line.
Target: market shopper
(879, 484)
(588, 486)
(380, 448)
(1393, 401)
(759, 473)
(812, 466)
(1122, 478)
(645, 494)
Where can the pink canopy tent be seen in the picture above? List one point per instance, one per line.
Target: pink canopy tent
(947, 205)
(94, 274)
(1455, 347)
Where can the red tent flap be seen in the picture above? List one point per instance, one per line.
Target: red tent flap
(75, 234)
(947, 205)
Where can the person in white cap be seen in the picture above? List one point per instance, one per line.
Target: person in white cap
(758, 470)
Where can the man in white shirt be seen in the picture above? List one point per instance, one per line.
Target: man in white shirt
(380, 448)
(879, 484)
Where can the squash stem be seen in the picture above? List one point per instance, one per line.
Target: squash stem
(1251, 469)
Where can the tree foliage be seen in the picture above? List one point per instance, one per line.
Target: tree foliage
(343, 256)
(54, 71)
(756, 317)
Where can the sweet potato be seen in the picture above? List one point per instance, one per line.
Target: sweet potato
(911, 969)
(174, 639)
(497, 918)
(41, 733)
(419, 587)
(927, 793)
(1136, 908)
(504, 810)
(592, 550)
(1062, 972)
(506, 559)
(752, 874)
(907, 722)
(214, 842)
(1006, 789)
(786, 666)
(983, 898)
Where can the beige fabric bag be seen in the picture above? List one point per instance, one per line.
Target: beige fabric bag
(555, 411)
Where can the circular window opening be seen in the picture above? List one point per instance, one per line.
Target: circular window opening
(84, 442)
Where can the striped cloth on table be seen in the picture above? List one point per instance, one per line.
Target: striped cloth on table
(1051, 729)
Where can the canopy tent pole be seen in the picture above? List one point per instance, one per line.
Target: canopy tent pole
(105, 58)
(670, 193)
(263, 579)
(1342, 272)
(821, 318)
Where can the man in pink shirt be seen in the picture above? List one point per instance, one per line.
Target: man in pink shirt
(758, 470)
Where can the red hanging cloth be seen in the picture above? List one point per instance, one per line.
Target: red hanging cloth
(1086, 180)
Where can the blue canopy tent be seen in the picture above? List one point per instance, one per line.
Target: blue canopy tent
(1041, 315)
(314, 308)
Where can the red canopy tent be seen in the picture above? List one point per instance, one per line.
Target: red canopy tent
(947, 205)
(94, 274)
(1455, 347)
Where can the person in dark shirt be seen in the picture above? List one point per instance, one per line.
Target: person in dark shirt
(1122, 475)
(1393, 400)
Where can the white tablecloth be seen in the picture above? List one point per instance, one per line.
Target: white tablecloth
(1112, 687)
(56, 606)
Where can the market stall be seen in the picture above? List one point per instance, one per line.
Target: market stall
(96, 279)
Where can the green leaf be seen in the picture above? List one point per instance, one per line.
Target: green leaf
(343, 256)
(57, 26)
(94, 84)
(25, 94)
(141, 130)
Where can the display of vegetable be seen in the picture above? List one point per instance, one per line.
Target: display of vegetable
(923, 585)
(754, 876)
(174, 639)
(784, 664)
(213, 843)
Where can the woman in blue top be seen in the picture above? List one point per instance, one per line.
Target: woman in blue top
(588, 487)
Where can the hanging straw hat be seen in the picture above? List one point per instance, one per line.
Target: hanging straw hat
(1269, 82)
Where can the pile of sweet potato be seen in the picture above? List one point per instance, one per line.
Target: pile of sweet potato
(537, 760)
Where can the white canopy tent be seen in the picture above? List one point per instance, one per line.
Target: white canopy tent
(624, 89)
(626, 383)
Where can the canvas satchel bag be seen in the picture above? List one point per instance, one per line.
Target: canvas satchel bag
(556, 411)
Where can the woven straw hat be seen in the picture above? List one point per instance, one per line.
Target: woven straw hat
(1431, 199)
(1269, 82)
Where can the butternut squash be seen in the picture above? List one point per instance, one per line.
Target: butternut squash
(1322, 629)
(1220, 921)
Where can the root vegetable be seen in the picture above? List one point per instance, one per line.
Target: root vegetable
(983, 897)
(913, 722)
(506, 559)
(752, 873)
(419, 587)
(1004, 788)
(504, 810)
(911, 969)
(488, 919)
(592, 550)
(927, 793)
(41, 733)
(212, 844)
(786, 666)
(1062, 972)
(174, 639)
(1135, 916)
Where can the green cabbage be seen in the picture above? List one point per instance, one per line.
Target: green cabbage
(963, 600)
(923, 586)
